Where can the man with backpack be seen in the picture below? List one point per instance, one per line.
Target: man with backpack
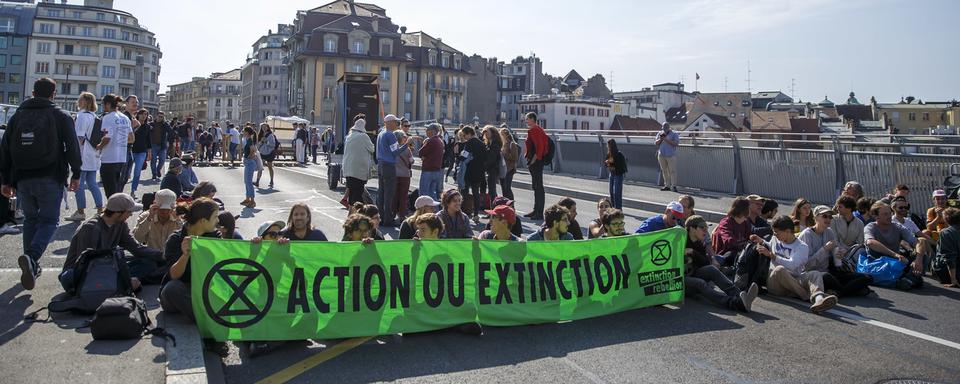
(538, 151)
(39, 146)
(107, 231)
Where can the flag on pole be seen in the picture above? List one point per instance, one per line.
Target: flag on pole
(698, 76)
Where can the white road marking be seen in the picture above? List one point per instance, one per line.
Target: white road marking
(9, 270)
(866, 320)
(589, 375)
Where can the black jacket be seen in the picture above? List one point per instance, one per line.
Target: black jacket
(619, 164)
(477, 166)
(70, 161)
(166, 132)
(97, 235)
(171, 181)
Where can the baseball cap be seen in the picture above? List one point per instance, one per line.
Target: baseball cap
(939, 193)
(166, 199)
(186, 157)
(390, 118)
(425, 201)
(175, 163)
(121, 202)
(502, 200)
(695, 221)
(267, 224)
(823, 209)
(505, 212)
(676, 208)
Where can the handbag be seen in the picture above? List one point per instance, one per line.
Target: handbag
(886, 271)
(258, 160)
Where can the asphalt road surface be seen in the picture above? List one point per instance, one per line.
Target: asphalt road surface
(894, 335)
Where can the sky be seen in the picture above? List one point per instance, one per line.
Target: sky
(883, 48)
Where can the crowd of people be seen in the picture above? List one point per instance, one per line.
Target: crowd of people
(803, 255)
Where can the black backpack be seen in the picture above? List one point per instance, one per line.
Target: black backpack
(97, 276)
(751, 267)
(96, 135)
(122, 318)
(551, 151)
(35, 140)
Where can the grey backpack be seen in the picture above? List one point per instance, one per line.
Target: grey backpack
(98, 275)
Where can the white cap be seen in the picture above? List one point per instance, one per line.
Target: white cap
(677, 209)
(166, 199)
(425, 201)
(390, 118)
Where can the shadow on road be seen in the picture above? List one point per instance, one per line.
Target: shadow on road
(11, 318)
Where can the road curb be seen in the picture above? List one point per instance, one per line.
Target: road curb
(185, 361)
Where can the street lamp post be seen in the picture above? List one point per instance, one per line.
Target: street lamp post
(66, 96)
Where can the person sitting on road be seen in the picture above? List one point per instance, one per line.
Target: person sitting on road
(887, 238)
(574, 228)
(371, 211)
(517, 228)
(802, 215)
(864, 205)
(901, 215)
(300, 225)
(208, 190)
(595, 228)
(613, 223)
(788, 256)
(171, 180)
(227, 225)
(668, 219)
(733, 232)
(358, 227)
(759, 222)
(107, 231)
(201, 221)
(156, 225)
(948, 250)
(853, 189)
(456, 224)
(769, 210)
(935, 219)
(188, 179)
(502, 218)
(423, 205)
(700, 273)
(688, 204)
(824, 256)
(556, 222)
(429, 226)
(848, 228)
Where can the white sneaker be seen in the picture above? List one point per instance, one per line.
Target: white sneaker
(76, 216)
(9, 229)
(823, 303)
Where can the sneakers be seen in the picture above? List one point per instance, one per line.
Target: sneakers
(823, 302)
(9, 229)
(28, 272)
(747, 297)
(260, 348)
(665, 189)
(76, 216)
(471, 329)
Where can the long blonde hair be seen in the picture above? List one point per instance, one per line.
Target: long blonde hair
(87, 102)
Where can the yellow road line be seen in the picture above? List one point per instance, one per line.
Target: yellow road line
(295, 370)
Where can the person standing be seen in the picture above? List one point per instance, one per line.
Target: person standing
(141, 148)
(249, 166)
(160, 133)
(234, 135)
(494, 162)
(511, 155)
(431, 163)
(217, 139)
(266, 146)
(667, 143)
(130, 107)
(113, 146)
(39, 146)
(616, 165)
(358, 152)
(404, 173)
(185, 133)
(475, 154)
(537, 146)
(85, 123)
(300, 144)
(388, 148)
(314, 142)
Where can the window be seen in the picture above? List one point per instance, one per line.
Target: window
(217, 103)
(69, 30)
(54, 13)
(384, 73)
(109, 71)
(430, 99)
(3, 79)
(896, 117)
(77, 14)
(101, 17)
(456, 101)
(266, 70)
(385, 97)
(13, 97)
(229, 102)
(457, 62)
(330, 44)
(216, 115)
(926, 115)
(43, 48)
(8, 24)
(445, 61)
(408, 97)
(15, 78)
(46, 28)
(127, 54)
(126, 73)
(106, 89)
(230, 115)
(109, 53)
(18, 60)
(411, 77)
(386, 48)
(327, 93)
(68, 49)
(358, 67)
(3, 42)
(329, 69)
(125, 36)
(358, 48)
(110, 33)
(65, 88)
(3, 61)
(42, 67)
(17, 41)
(432, 58)
(81, 88)
(912, 116)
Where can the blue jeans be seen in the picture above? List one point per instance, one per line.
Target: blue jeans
(88, 180)
(138, 160)
(40, 200)
(158, 157)
(431, 182)
(616, 190)
(249, 168)
(186, 144)
(233, 151)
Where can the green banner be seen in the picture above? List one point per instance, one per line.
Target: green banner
(245, 291)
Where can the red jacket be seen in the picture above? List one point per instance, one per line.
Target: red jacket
(432, 154)
(536, 141)
(730, 236)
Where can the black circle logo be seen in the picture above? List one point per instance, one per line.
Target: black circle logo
(660, 252)
(239, 294)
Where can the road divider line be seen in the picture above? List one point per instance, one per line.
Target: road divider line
(307, 364)
(9, 270)
(867, 320)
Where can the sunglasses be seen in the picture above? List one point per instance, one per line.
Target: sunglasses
(271, 234)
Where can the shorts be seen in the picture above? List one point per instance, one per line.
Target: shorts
(267, 158)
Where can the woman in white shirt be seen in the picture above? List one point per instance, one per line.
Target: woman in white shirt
(87, 104)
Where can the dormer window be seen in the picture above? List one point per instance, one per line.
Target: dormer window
(432, 57)
(330, 44)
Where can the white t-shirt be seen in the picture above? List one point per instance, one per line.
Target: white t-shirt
(791, 256)
(116, 126)
(89, 154)
(909, 225)
(234, 136)
(217, 134)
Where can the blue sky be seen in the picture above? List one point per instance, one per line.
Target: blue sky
(881, 48)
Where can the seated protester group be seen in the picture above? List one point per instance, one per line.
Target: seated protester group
(669, 219)
(188, 179)
(428, 226)
(156, 225)
(788, 257)
(825, 256)
(901, 215)
(300, 225)
(689, 204)
(171, 180)
(936, 221)
(864, 205)
(502, 218)
(574, 227)
(200, 221)
(847, 227)
(517, 227)
(760, 223)
(423, 205)
(802, 215)
(884, 237)
(700, 272)
(733, 232)
(109, 230)
(613, 223)
(556, 222)
(371, 211)
(595, 228)
(456, 224)
(948, 250)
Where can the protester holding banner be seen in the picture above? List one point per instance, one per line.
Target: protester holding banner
(595, 228)
(502, 219)
(556, 221)
(300, 226)
(429, 227)
(701, 276)
(373, 212)
(201, 220)
(613, 224)
(574, 228)
(456, 224)
(358, 227)
(517, 228)
(423, 205)
(669, 219)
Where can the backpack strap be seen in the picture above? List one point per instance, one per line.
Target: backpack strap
(33, 317)
(162, 333)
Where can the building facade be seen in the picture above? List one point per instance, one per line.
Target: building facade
(188, 99)
(656, 102)
(734, 106)
(567, 112)
(483, 105)
(264, 92)
(93, 48)
(420, 77)
(223, 97)
(520, 77)
(16, 23)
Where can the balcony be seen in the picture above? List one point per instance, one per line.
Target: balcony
(445, 87)
(74, 76)
(75, 56)
(100, 38)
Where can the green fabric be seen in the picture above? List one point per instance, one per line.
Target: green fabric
(333, 290)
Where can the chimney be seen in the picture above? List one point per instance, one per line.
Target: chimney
(376, 23)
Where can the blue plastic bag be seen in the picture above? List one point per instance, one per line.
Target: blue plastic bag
(886, 271)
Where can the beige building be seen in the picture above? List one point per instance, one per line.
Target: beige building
(916, 118)
(207, 99)
(93, 48)
(734, 106)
